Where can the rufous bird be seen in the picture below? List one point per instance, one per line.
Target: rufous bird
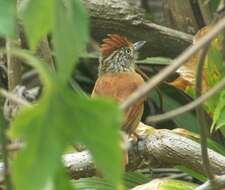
(117, 77)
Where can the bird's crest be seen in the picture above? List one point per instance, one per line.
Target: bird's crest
(113, 42)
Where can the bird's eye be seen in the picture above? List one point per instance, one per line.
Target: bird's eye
(128, 51)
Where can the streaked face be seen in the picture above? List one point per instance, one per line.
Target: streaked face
(118, 54)
(129, 53)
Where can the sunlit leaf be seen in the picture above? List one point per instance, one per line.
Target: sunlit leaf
(37, 17)
(215, 71)
(166, 184)
(219, 114)
(7, 17)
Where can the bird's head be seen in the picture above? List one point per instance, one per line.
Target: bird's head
(118, 54)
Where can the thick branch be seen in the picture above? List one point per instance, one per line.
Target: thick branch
(160, 148)
(123, 17)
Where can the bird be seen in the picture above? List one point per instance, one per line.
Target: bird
(117, 78)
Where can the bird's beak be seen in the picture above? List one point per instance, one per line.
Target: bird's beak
(138, 45)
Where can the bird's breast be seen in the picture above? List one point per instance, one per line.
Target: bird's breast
(117, 85)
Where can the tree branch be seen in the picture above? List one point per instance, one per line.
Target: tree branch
(125, 18)
(159, 148)
(218, 183)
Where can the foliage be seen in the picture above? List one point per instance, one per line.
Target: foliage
(131, 179)
(7, 17)
(60, 117)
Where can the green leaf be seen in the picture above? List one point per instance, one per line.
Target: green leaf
(166, 184)
(192, 173)
(131, 179)
(215, 70)
(37, 17)
(59, 119)
(213, 5)
(219, 114)
(70, 34)
(173, 98)
(61, 180)
(172, 184)
(7, 17)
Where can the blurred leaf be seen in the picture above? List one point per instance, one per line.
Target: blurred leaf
(215, 72)
(155, 61)
(61, 180)
(216, 147)
(51, 120)
(219, 114)
(7, 17)
(37, 18)
(61, 118)
(166, 184)
(131, 179)
(186, 80)
(192, 173)
(70, 34)
(173, 98)
(213, 5)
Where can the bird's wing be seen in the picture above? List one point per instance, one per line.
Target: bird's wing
(119, 86)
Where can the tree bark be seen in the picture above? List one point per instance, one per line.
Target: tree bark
(159, 148)
(123, 17)
(180, 16)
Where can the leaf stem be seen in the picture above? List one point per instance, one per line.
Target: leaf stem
(200, 114)
(3, 138)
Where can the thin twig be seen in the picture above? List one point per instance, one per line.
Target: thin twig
(14, 98)
(200, 114)
(3, 142)
(180, 60)
(12, 147)
(188, 107)
(13, 65)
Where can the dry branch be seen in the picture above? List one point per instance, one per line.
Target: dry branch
(160, 148)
